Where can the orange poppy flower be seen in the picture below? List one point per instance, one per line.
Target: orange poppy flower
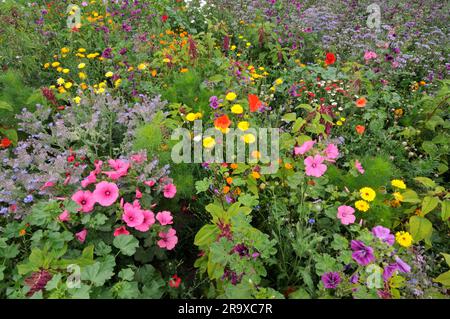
(254, 102)
(360, 129)
(361, 102)
(222, 122)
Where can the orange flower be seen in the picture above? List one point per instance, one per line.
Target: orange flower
(256, 175)
(5, 142)
(234, 166)
(229, 180)
(254, 102)
(226, 189)
(361, 102)
(222, 122)
(360, 129)
(22, 232)
(237, 191)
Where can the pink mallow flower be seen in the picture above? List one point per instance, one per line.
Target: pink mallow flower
(132, 215)
(106, 193)
(121, 231)
(150, 183)
(149, 220)
(164, 218)
(168, 240)
(346, 214)
(169, 191)
(91, 179)
(81, 236)
(331, 152)
(98, 167)
(64, 216)
(306, 147)
(139, 158)
(359, 167)
(138, 193)
(85, 199)
(120, 169)
(368, 55)
(314, 166)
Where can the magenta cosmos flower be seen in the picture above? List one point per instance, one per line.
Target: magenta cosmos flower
(132, 215)
(304, 148)
(346, 214)
(106, 193)
(85, 199)
(169, 191)
(331, 280)
(164, 218)
(168, 240)
(384, 234)
(149, 220)
(314, 166)
(362, 254)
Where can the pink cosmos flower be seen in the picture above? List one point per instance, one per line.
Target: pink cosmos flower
(85, 199)
(331, 152)
(64, 216)
(168, 240)
(346, 215)
(138, 193)
(121, 231)
(314, 166)
(81, 236)
(164, 218)
(91, 179)
(149, 220)
(133, 216)
(169, 191)
(307, 146)
(359, 167)
(106, 193)
(368, 55)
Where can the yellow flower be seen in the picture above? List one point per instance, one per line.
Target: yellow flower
(109, 74)
(403, 238)
(279, 81)
(55, 64)
(142, 66)
(209, 142)
(233, 47)
(65, 50)
(184, 70)
(288, 165)
(398, 197)
(243, 126)
(61, 90)
(231, 96)
(65, 71)
(339, 123)
(256, 154)
(92, 55)
(77, 99)
(362, 205)
(256, 175)
(46, 65)
(117, 83)
(398, 183)
(237, 109)
(68, 85)
(367, 194)
(81, 65)
(249, 138)
(191, 117)
(198, 115)
(343, 119)
(82, 75)
(59, 69)
(83, 86)
(60, 81)
(166, 60)
(81, 50)
(248, 44)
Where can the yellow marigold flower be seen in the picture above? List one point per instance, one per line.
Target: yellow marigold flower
(231, 96)
(209, 142)
(248, 44)
(288, 165)
(142, 66)
(243, 126)
(234, 166)
(55, 64)
(249, 138)
(256, 175)
(109, 74)
(233, 47)
(237, 109)
(154, 73)
(343, 119)
(91, 56)
(398, 197)
(398, 183)
(339, 123)
(102, 85)
(198, 115)
(81, 50)
(65, 71)
(68, 85)
(46, 65)
(61, 89)
(184, 70)
(367, 194)
(60, 81)
(77, 100)
(59, 69)
(117, 83)
(65, 50)
(403, 238)
(100, 91)
(82, 75)
(83, 86)
(81, 65)
(279, 81)
(166, 60)
(191, 117)
(362, 205)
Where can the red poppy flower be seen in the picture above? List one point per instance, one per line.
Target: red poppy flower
(361, 102)
(5, 142)
(164, 18)
(254, 102)
(360, 129)
(175, 281)
(330, 58)
(222, 122)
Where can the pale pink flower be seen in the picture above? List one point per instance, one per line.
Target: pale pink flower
(81, 236)
(169, 191)
(304, 148)
(164, 218)
(132, 216)
(168, 240)
(331, 152)
(106, 193)
(314, 166)
(150, 183)
(85, 199)
(138, 193)
(91, 179)
(121, 231)
(64, 216)
(359, 167)
(139, 158)
(149, 220)
(346, 214)
(368, 55)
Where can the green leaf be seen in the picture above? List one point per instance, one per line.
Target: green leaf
(425, 181)
(216, 211)
(289, 117)
(126, 274)
(410, 196)
(202, 186)
(99, 272)
(447, 258)
(445, 212)
(428, 204)
(420, 228)
(443, 279)
(127, 244)
(206, 235)
(6, 106)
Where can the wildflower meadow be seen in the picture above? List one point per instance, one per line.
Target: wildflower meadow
(224, 149)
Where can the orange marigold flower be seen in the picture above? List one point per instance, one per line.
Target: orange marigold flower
(234, 166)
(361, 102)
(226, 189)
(229, 180)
